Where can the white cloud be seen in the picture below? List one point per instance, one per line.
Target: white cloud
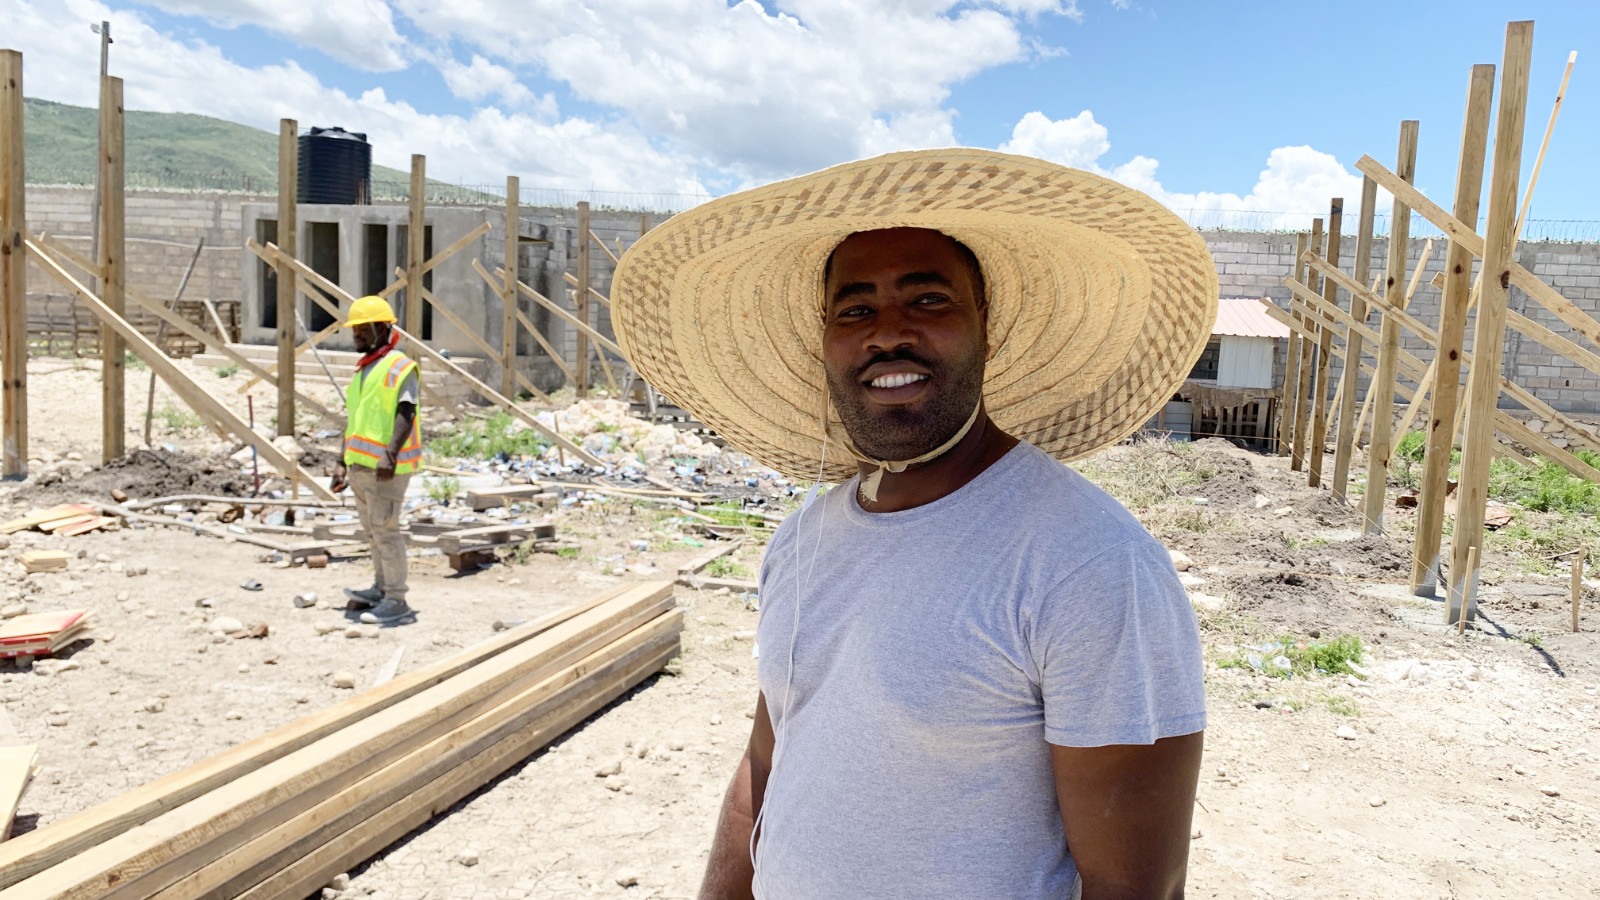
(359, 32)
(1076, 142)
(482, 79)
(167, 75)
(1295, 186)
(757, 94)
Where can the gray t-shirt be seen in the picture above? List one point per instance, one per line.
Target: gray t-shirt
(938, 652)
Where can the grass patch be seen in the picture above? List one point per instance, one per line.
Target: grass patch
(1147, 472)
(1341, 706)
(131, 360)
(442, 489)
(178, 419)
(568, 552)
(723, 567)
(228, 371)
(488, 438)
(1546, 488)
(731, 513)
(1291, 656)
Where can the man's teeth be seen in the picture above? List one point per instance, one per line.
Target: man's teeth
(894, 381)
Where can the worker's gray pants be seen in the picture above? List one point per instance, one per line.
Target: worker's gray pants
(378, 503)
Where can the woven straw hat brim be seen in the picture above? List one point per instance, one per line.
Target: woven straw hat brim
(1100, 299)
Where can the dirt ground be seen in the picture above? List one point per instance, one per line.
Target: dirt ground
(1461, 767)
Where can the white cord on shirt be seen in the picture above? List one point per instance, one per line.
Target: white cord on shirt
(794, 637)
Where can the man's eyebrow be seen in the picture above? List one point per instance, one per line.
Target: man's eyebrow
(910, 279)
(914, 279)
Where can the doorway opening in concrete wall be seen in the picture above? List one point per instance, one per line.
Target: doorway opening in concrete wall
(323, 238)
(375, 269)
(267, 276)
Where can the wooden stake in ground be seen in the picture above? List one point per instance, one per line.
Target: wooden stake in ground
(161, 332)
(1381, 446)
(581, 358)
(1577, 584)
(113, 269)
(1303, 415)
(1488, 337)
(1289, 409)
(1472, 569)
(416, 232)
(1330, 292)
(1453, 309)
(1349, 428)
(13, 272)
(508, 292)
(288, 233)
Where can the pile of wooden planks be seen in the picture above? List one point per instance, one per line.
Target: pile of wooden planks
(35, 561)
(69, 520)
(279, 816)
(41, 634)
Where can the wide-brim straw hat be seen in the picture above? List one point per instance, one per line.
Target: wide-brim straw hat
(1100, 299)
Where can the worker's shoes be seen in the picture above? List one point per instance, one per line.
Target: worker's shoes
(366, 598)
(389, 613)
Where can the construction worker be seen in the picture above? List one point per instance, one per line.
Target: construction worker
(381, 450)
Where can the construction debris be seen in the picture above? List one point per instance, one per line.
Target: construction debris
(35, 561)
(18, 767)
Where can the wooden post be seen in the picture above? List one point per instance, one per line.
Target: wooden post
(1330, 293)
(1472, 569)
(1381, 446)
(1289, 409)
(416, 230)
(288, 234)
(113, 269)
(1303, 386)
(1349, 427)
(1577, 584)
(1488, 336)
(1453, 309)
(508, 293)
(581, 362)
(13, 271)
(644, 224)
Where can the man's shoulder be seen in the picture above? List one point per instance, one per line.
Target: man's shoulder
(1056, 506)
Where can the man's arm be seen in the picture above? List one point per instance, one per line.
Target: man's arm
(1127, 811)
(405, 416)
(729, 872)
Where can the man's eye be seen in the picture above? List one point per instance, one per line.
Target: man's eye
(930, 299)
(854, 312)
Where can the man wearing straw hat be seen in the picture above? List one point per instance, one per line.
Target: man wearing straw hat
(979, 676)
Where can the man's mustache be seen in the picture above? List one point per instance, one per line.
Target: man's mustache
(901, 355)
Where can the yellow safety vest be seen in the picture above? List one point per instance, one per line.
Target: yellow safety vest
(372, 401)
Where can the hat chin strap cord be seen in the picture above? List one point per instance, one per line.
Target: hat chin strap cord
(872, 480)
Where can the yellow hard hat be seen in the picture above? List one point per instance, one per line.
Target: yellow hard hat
(370, 309)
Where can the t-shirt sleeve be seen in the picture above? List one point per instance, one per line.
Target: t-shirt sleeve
(409, 392)
(1116, 651)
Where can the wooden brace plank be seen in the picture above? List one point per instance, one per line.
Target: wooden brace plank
(185, 387)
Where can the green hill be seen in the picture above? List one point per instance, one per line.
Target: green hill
(177, 151)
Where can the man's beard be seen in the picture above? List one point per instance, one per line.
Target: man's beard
(907, 432)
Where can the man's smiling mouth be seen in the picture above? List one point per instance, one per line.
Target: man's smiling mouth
(899, 379)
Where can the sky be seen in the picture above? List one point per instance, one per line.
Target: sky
(1246, 112)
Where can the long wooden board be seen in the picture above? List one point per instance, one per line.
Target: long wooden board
(48, 846)
(144, 860)
(16, 770)
(181, 384)
(338, 813)
(394, 822)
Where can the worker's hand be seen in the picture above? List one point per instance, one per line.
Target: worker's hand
(386, 467)
(340, 476)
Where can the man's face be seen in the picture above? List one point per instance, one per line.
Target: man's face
(904, 340)
(369, 335)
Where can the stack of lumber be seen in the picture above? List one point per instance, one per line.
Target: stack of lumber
(41, 634)
(35, 561)
(278, 817)
(71, 519)
(18, 767)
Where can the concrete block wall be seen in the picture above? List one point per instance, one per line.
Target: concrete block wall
(161, 230)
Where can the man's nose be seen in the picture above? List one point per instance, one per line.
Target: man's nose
(891, 329)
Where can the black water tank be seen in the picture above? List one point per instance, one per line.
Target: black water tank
(335, 167)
